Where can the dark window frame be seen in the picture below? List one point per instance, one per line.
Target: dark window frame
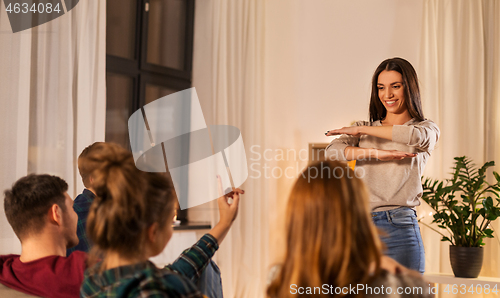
(143, 73)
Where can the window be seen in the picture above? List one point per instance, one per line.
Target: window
(149, 50)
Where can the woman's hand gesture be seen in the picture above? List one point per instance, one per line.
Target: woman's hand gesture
(393, 154)
(351, 130)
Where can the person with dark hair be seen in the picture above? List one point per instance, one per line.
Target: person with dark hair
(332, 245)
(130, 221)
(83, 201)
(41, 214)
(391, 151)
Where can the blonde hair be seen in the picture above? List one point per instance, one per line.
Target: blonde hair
(127, 202)
(330, 235)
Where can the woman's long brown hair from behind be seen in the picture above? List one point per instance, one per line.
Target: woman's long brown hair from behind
(330, 236)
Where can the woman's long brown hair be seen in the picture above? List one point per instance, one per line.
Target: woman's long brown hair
(330, 235)
(410, 85)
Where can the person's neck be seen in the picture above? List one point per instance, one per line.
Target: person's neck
(396, 119)
(114, 259)
(42, 245)
(91, 189)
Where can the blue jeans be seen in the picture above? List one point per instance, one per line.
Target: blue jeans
(402, 240)
(210, 283)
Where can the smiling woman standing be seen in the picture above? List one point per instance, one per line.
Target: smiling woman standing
(391, 151)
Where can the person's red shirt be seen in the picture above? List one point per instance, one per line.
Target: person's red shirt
(52, 277)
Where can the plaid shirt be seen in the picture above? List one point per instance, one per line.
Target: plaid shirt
(82, 206)
(145, 280)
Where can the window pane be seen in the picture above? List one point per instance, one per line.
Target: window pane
(120, 28)
(153, 92)
(119, 96)
(167, 33)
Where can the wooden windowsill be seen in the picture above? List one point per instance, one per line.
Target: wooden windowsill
(193, 226)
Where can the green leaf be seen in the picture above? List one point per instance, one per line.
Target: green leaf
(483, 169)
(497, 176)
(488, 203)
(446, 239)
(492, 191)
(491, 216)
(465, 198)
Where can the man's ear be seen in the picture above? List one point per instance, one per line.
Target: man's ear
(55, 214)
(152, 232)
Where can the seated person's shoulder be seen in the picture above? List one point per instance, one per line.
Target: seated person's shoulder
(78, 256)
(5, 268)
(76, 263)
(11, 293)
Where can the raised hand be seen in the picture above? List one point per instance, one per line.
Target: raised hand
(228, 211)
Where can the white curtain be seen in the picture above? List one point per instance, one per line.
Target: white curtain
(460, 76)
(228, 75)
(53, 98)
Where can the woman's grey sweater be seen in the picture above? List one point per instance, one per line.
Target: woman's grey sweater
(393, 183)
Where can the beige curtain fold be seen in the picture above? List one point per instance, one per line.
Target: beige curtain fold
(460, 77)
(228, 75)
(15, 60)
(52, 93)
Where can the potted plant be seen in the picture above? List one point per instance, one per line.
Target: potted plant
(464, 205)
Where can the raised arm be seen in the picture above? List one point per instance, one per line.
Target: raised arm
(357, 153)
(194, 259)
(227, 212)
(336, 150)
(383, 132)
(423, 135)
(346, 147)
